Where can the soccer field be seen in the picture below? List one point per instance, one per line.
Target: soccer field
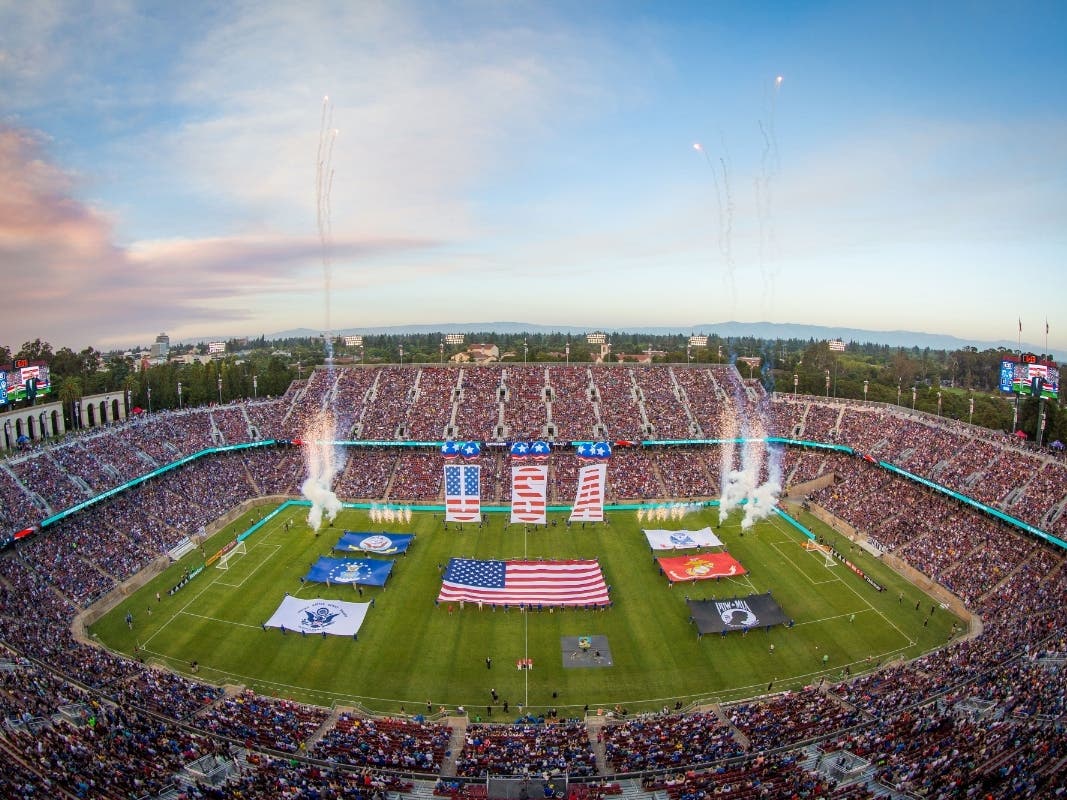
(411, 651)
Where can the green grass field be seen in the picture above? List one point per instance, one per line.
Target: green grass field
(410, 651)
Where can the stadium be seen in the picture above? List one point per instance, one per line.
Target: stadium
(940, 673)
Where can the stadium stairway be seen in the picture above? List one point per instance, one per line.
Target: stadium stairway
(458, 725)
(327, 725)
(593, 727)
(632, 790)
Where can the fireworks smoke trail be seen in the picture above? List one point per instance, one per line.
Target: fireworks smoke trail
(741, 486)
(323, 187)
(322, 457)
(725, 218)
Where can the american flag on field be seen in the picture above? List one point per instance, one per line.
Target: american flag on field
(463, 502)
(552, 583)
(589, 500)
(529, 485)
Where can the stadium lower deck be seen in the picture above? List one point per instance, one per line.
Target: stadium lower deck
(983, 717)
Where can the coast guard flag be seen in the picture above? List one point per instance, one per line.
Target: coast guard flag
(529, 484)
(589, 500)
(319, 616)
(463, 501)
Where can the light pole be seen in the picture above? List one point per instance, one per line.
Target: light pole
(255, 387)
(796, 383)
(898, 391)
(865, 391)
(525, 350)
(361, 355)
(442, 351)
(970, 412)
(149, 390)
(914, 391)
(688, 355)
(179, 395)
(827, 384)
(568, 350)
(220, 389)
(129, 401)
(939, 402)
(401, 355)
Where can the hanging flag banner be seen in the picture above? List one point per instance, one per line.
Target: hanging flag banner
(463, 502)
(367, 571)
(319, 616)
(529, 487)
(589, 499)
(384, 544)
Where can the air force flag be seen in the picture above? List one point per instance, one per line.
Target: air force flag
(366, 571)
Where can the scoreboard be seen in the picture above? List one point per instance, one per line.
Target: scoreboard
(1029, 376)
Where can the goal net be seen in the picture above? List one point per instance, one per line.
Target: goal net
(827, 554)
(224, 559)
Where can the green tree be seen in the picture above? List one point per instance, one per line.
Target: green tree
(35, 351)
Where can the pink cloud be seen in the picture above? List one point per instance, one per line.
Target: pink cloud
(67, 281)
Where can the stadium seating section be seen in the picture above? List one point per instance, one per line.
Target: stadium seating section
(983, 717)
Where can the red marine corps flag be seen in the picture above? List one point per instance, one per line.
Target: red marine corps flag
(529, 486)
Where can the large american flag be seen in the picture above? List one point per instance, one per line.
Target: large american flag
(589, 500)
(463, 502)
(529, 484)
(550, 583)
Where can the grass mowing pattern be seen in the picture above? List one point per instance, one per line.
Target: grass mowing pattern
(410, 651)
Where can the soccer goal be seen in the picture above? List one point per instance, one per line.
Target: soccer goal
(827, 554)
(224, 559)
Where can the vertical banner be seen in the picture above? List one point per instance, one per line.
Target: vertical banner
(529, 487)
(463, 502)
(589, 500)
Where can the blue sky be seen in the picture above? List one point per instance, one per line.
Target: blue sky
(532, 161)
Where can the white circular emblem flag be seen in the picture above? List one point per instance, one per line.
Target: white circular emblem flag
(376, 544)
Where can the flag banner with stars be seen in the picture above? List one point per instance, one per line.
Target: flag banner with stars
(529, 487)
(367, 571)
(548, 583)
(463, 501)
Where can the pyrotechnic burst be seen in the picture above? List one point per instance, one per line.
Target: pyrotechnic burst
(323, 464)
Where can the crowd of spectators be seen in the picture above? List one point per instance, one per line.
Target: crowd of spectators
(983, 710)
(387, 743)
(478, 410)
(521, 748)
(669, 741)
(525, 411)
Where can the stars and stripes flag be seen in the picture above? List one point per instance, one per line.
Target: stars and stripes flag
(463, 501)
(589, 500)
(529, 486)
(553, 583)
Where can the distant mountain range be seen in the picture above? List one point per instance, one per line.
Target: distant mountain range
(758, 330)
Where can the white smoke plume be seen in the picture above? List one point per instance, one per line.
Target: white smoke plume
(323, 464)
